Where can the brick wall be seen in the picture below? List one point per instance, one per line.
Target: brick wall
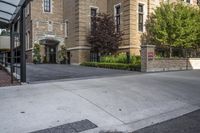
(150, 64)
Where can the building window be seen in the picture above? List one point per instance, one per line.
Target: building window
(141, 17)
(28, 40)
(93, 18)
(47, 5)
(27, 10)
(66, 28)
(117, 17)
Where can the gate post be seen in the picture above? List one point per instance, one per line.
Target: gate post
(147, 55)
(22, 45)
(11, 51)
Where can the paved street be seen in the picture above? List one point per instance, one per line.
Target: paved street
(44, 72)
(120, 103)
(189, 123)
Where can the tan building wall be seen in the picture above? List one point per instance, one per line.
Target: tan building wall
(77, 13)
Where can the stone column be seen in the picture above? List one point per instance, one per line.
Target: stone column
(147, 55)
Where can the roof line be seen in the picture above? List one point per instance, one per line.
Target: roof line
(4, 19)
(2, 1)
(6, 12)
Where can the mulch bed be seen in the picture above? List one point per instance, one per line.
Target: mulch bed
(5, 79)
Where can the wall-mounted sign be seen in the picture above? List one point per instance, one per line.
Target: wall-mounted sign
(150, 55)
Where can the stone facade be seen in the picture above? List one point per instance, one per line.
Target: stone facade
(43, 26)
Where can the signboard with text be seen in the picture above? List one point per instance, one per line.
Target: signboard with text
(150, 56)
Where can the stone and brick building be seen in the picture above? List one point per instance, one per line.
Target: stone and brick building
(44, 25)
(68, 22)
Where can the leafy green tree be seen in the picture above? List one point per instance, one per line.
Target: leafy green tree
(103, 38)
(174, 25)
(62, 54)
(36, 53)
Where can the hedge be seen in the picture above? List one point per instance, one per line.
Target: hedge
(120, 58)
(121, 66)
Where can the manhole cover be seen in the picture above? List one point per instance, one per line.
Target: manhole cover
(74, 127)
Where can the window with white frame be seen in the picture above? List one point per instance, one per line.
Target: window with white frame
(27, 10)
(47, 5)
(93, 15)
(117, 16)
(27, 40)
(141, 17)
(66, 28)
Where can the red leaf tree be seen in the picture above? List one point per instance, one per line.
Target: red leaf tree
(103, 38)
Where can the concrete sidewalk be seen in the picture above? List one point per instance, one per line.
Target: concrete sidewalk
(124, 103)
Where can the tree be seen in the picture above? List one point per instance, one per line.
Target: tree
(62, 54)
(36, 53)
(103, 38)
(174, 25)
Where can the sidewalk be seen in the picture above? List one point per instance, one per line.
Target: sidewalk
(123, 103)
(5, 79)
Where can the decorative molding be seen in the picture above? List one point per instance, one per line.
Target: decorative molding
(128, 47)
(79, 48)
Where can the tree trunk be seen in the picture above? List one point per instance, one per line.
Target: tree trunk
(170, 51)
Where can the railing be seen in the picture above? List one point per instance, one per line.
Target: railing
(5, 62)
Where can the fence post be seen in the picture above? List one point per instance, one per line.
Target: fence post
(128, 57)
(22, 45)
(11, 51)
(147, 55)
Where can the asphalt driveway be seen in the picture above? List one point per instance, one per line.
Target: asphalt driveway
(45, 72)
(119, 103)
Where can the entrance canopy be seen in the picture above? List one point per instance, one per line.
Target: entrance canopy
(8, 11)
(49, 42)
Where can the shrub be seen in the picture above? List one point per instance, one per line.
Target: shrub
(36, 53)
(120, 66)
(62, 54)
(121, 58)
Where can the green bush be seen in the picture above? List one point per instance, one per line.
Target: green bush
(120, 58)
(36, 53)
(120, 66)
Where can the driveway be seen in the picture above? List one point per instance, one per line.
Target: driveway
(119, 103)
(45, 72)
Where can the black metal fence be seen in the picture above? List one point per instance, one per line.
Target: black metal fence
(11, 59)
(177, 52)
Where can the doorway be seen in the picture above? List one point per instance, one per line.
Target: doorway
(50, 50)
(68, 58)
(52, 54)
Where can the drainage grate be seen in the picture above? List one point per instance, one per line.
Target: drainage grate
(74, 127)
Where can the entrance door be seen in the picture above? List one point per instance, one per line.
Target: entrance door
(68, 58)
(52, 54)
